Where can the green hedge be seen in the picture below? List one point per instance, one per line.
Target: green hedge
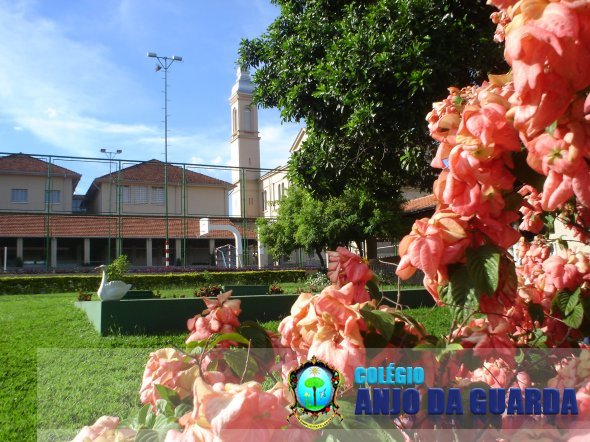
(74, 283)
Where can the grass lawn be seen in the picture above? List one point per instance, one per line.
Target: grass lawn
(57, 373)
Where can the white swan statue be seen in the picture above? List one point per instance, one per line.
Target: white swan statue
(111, 291)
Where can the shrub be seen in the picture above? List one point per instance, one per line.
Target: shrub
(276, 289)
(316, 282)
(118, 268)
(209, 290)
(84, 296)
(13, 285)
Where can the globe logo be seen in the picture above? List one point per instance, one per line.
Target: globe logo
(314, 384)
(314, 388)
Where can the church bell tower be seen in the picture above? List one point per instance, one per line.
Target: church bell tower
(245, 149)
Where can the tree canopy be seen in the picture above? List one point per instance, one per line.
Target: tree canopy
(314, 225)
(362, 75)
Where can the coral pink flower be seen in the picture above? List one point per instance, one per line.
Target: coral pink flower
(496, 373)
(328, 326)
(344, 267)
(238, 412)
(298, 328)
(339, 350)
(583, 400)
(561, 274)
(531, 210)
(489, 336)
(105, 429)
(221, 316)
(170, 368)
(433, 242)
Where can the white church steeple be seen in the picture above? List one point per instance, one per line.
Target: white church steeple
(245, 148)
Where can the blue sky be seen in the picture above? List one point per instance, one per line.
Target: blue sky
(74, 78)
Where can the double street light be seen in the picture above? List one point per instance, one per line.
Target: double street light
(165, 63)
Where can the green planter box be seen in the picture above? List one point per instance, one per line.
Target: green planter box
(139, 294)
(412, 298)
(151, 316)
(247, 290)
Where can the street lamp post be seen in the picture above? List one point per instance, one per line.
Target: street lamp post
(110, 155)
(165, 63)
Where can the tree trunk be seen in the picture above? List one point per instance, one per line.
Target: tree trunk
(371, 247)
(318, 252)
(359, 246)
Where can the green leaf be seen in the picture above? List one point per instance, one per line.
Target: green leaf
(165, 423)
(150, 418)
(168, 394)
(379, 428)
(215, 339)
(562, 301)
(572, 302)
(229, 337)
(375, 340)
(540, 339)
(163, 408)
(383, 322)
(549, 221)
(374, 290)
(258, 338)
(452, 347)
(483, 265)
(182, 409)
(236, 359)
(257, 335)
(460, 292)
(575, 318)
(147, 435)
(536, 312)
(142, 414)
(551, 128)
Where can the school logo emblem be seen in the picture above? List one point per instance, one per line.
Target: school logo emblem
(314, 384)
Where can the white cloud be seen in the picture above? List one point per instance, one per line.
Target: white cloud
(275, 142)
(60, 90)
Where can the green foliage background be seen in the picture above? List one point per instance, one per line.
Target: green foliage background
(362, 75)
(59, 284)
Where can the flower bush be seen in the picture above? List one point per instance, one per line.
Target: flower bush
(513, 154)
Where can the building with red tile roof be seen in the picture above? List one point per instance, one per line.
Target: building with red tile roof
(42, 227)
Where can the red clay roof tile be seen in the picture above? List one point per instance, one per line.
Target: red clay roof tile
(420, 204)
(88, 226)
(152, 171)
(26, 164)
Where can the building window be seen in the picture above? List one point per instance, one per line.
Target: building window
(52, 196)
(125, 195)
(264, 201)
(247, 119)
(157, 195)
(234, 120)
(281, 190)
(19, 195)
(140, 195)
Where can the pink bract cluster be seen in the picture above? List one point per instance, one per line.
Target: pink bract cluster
(221, 316)
(513, 154)
(538, 113)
